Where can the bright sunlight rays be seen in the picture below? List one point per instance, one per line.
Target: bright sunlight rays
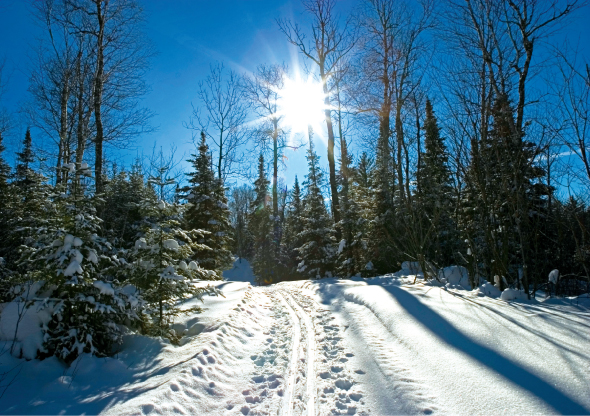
(302, 104)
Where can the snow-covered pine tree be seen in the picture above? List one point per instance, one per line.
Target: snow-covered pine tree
(382, 252)
(434, 196)
(503, 196)
(122, 216)
(5, 222)
(4, 170)
(317, 239)
(208, 211)
(350, 253)
(29, 207)
(261, 227)
(76, 269)
(293, 227)
(161, 266)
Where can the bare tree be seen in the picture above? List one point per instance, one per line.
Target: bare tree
(574, 108)
(120, 56)
(222, 117)
(326, 48)
(52, 79)
(263, 91)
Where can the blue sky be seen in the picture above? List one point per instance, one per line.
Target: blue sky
(189, 35)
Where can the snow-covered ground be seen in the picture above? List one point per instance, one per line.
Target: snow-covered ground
(378, 346)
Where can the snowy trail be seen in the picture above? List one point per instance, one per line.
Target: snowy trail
(288, 404)
(354, 347)
(310, 350)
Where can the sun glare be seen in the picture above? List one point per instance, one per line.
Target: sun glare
(302, 104)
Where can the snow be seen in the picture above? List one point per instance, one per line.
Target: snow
(73, 268)
(341, 246)
(170, 244)
(455, 276)
(105, 288)
(240, 272)
(554, 276)
(328, 346)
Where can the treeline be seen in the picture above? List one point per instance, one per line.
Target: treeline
(474, 185)
(436, 225)
(94, 265)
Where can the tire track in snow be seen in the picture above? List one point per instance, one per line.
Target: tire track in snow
(310, 348)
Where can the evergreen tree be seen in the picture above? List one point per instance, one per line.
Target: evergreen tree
(261, 224)
(317, 237)
(434, 196)
(382, 252)
(77, 270)
(293, 228)
(503, 197)
(123, 215)
(6, 207)
(208, 211)
(4, 170)
(161, 266)
(351, 253)
(30, 205)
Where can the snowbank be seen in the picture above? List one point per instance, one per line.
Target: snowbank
(240, 272)
(455, 276)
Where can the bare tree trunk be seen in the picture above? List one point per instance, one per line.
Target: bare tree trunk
(98, 89)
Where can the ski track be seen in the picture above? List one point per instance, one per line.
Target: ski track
(310, 349)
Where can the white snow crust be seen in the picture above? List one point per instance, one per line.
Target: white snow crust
(358, 346)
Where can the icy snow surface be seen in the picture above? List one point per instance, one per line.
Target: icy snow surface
(376, 346)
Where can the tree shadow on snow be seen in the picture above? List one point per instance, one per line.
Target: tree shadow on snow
(486, 356)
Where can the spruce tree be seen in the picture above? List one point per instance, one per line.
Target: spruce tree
(261, 224)
(351, 253)
(208, 211)
(434, 196)
(123, 214)
(382, 252)
(162, 268)
(502, 199)
(293, 227)
(77, 271)
(317, 237)
(31, 206)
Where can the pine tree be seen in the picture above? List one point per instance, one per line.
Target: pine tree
(261, 224)
(503, 194)
(382, 253)
(161, 266)
(77, 272)
(208, 211)
(293, 227)
(31, 206)
(4, 170)
(123, 214)
(351, 252)
(317, 238)
(6, 207)
(434, 196)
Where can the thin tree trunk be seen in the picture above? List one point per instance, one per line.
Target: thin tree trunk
(98, 88)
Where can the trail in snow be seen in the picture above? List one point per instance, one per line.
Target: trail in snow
(309, 347)
(377, 346)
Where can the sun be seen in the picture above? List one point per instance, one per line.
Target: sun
(302, 104)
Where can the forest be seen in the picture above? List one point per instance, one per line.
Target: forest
(456, 133)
